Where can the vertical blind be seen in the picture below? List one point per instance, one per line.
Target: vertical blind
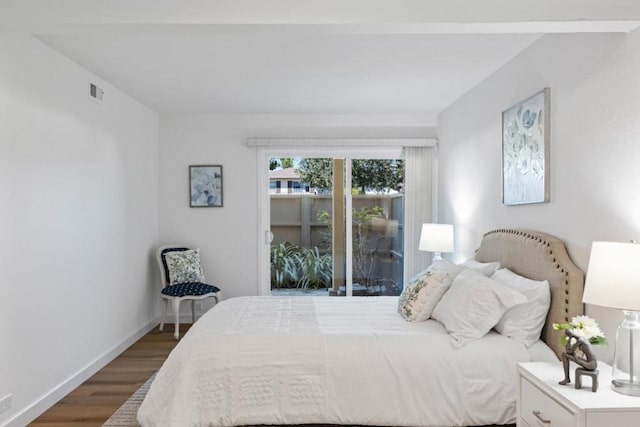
(418, 205)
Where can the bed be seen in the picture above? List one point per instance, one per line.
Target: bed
(356, 361)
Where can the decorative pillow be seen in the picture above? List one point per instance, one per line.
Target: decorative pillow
(486, 268)
(473, 305)
(424, 290)
(184, 266)
(524, 321)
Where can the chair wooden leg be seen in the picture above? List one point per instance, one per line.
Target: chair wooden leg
(193, 311)
(176, 313)
(164, 313)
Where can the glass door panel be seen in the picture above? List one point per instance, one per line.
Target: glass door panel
(377, 226)
(301, 224)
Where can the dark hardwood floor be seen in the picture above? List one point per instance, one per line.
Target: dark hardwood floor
(93, 402)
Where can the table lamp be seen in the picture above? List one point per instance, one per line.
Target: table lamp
(436, 238)
(613, 280)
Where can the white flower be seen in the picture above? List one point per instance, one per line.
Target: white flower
(586, 327)
(593, 331)
(580, 333)
(581, 321)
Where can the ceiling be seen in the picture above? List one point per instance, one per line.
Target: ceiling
(307, 73)
(303, 56)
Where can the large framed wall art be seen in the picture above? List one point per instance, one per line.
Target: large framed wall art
(525, 151)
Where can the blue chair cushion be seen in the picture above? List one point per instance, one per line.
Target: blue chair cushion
(189, 289)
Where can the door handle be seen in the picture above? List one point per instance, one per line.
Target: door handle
(268, 237)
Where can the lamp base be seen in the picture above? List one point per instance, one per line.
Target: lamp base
(437, 256)
(626, 358)
(626, 387)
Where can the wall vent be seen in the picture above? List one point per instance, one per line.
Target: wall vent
(95, 92)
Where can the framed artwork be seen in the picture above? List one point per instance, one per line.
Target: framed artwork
(525, 151)
(205, 186)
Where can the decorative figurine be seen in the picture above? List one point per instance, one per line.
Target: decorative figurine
(580, 334)
(579, 351)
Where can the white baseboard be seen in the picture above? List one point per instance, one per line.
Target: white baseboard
(184, 318)
(40, 405)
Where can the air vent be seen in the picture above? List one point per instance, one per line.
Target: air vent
(95, 92)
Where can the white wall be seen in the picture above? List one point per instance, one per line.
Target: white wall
(78, 223)
(595, 148)
(227, 236)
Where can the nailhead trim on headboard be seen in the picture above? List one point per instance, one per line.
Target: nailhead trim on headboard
(539, 256)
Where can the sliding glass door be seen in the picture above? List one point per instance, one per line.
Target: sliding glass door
(337, 229)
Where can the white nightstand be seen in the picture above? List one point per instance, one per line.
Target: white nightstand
(542, 402)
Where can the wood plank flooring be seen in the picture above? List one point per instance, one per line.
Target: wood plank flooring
(94, 401)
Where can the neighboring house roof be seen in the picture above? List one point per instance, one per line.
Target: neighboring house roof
(287, 173)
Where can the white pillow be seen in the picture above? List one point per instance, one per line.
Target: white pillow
(473, 305)
(486, 268)
(524, 322)
(424, 290)
(446, 266)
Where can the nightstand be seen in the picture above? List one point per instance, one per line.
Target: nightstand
(542, 402)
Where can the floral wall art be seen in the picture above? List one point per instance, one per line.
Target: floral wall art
(205, 186)
(525, 151)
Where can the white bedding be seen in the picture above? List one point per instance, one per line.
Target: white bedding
(297, 360)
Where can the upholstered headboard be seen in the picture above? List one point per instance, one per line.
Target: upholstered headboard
(539, 256)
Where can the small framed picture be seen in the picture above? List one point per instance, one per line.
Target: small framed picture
(205, 186)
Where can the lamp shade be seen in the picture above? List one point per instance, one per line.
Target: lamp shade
(613, 277)
(436, 238)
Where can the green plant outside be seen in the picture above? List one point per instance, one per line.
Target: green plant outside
(306, 268)
(363, 255)
(299, 267)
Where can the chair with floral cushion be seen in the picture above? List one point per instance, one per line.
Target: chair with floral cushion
(182, 279)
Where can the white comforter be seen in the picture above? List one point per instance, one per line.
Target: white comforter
(274, 360)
